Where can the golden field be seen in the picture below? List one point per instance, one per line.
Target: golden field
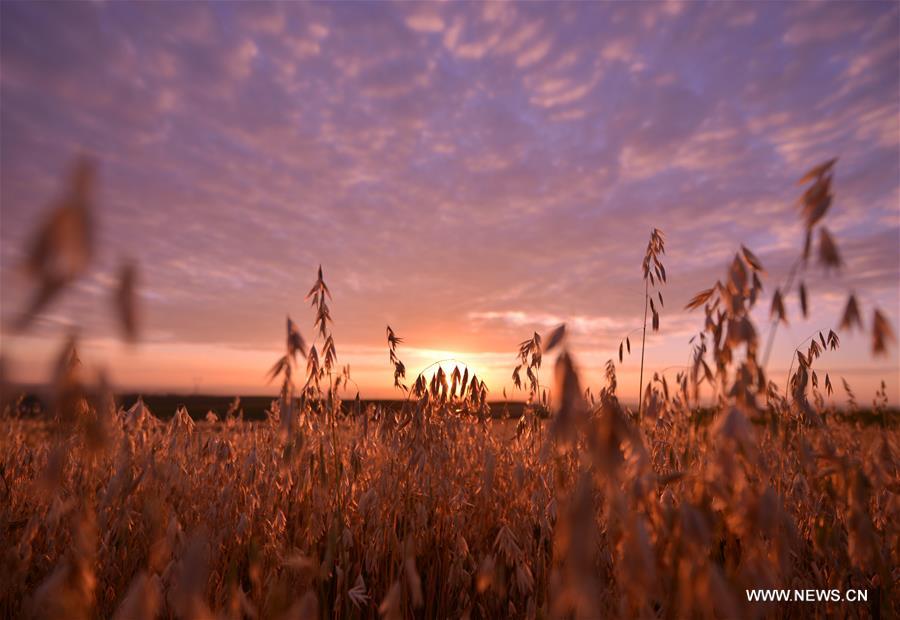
(133, 518)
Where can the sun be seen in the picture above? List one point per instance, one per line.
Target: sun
(448, 365)
(449, 361)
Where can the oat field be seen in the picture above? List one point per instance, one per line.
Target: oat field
(429, 514)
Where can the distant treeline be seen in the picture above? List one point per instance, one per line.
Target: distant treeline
(164, 406)
(253, 408)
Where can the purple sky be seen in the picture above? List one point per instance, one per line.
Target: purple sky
(465, 172)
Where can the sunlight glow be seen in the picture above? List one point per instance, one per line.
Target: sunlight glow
(448, 361)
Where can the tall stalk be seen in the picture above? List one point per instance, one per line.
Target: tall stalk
(643, 342)
(654, 275)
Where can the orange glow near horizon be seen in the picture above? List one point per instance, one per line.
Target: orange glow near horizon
(202, 369)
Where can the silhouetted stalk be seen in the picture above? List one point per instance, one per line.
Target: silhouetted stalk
(651, 266)
(643, 342)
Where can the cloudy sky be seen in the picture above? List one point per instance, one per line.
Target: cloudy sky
(467, 173)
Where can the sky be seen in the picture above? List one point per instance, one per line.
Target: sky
(467, 173)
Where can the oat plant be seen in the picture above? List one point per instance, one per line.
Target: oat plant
(814, 204)
(654, 274)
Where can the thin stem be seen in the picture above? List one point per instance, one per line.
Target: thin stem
(636, 329)
(643, 341)
(773, 326)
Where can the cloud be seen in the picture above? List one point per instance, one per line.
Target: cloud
(535, 53)
(578, 324)
(242, 57)
(823, 24)
(425, 22)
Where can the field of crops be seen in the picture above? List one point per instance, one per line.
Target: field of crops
(429, 512)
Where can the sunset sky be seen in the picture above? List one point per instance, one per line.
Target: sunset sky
(467, 173)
